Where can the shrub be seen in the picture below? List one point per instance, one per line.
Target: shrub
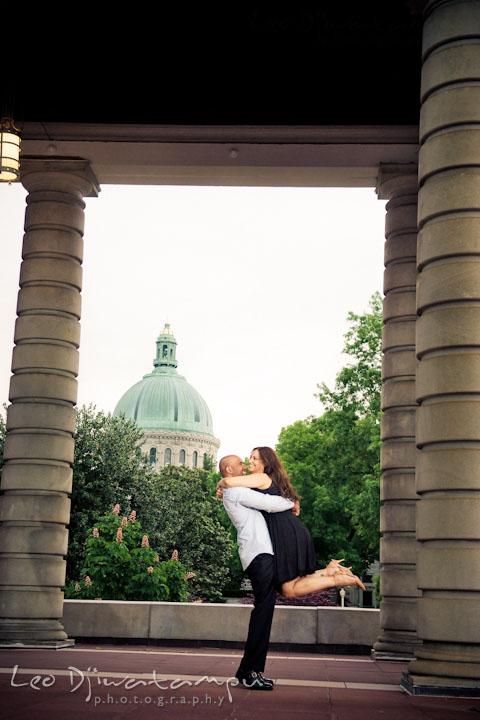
(324, 598)
(108, 465)
(121, 565)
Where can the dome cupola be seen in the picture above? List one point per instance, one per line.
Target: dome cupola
(166, 349)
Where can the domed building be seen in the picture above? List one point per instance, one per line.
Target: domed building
(175, 418)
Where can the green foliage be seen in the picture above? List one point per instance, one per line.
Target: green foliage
(108, 466)
(182, 513)
(334, 460)
(208, 463)
(358, 385)
(120, 565)
(177, 507)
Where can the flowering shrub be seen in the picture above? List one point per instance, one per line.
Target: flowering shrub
(120, 565)
(324, 598)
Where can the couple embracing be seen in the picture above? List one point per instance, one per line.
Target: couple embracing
(275, 548)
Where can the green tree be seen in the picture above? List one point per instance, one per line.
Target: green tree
(177, 509)
(358, 384)
(208, 463)
(334, 460)
(180, 513)
(108, 466)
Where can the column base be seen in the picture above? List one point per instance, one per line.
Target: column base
(388, 655)
(27, 631)
(444, 686)
(39, 644)
(397, 647)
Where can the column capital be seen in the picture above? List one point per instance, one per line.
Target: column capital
(395, 180)
(61, 174)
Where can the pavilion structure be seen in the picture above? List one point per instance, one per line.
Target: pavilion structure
(429, 171)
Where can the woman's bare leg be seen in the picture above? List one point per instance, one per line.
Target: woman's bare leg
(312, 583)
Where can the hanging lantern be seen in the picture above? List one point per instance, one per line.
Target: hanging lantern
(9, 150)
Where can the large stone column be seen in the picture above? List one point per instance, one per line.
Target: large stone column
(37, 474)
(448, 352)
(398, 585)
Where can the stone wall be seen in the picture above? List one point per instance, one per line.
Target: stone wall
(218, 622)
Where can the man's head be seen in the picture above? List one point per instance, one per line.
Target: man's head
(231, 465)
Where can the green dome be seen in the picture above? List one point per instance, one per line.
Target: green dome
(163, 400)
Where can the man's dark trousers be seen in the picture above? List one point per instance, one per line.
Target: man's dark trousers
(261, 574)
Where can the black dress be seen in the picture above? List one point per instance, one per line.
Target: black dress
(292, 543)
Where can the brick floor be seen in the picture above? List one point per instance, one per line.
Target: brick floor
(109, 682)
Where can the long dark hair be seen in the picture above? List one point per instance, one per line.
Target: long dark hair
(276, 472)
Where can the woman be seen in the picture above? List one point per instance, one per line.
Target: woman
(294, 557)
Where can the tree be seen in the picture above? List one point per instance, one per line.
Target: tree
(334, 460)
(208, 463)
(108, 466)
(358, 385)
(180, 513)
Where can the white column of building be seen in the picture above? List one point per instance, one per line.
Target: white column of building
(37, 474)
(448, 353)
(398, 585)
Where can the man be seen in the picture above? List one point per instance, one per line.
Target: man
(243, 506)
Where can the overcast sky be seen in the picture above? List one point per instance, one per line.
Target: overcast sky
(255, 282)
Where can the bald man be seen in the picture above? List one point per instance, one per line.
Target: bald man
(243, 506)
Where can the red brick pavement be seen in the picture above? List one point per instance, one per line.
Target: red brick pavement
(108, 682)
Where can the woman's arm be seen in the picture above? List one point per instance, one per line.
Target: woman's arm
(255, 480)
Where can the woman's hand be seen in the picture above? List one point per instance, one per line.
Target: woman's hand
(220, 485)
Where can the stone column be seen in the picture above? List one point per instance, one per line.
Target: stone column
(448, 352)
(37, 474)
(398, 586)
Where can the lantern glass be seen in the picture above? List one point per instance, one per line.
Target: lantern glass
(9, 151)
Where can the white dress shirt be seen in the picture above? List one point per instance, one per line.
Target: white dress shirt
(243, 506)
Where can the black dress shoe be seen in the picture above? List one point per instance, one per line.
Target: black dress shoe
(267, 681)
(253, 680)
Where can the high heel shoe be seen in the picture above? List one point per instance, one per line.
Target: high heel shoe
(347, 581)
(335, 567)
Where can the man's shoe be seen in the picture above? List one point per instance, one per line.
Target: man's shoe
(267, 681)
(253, 680)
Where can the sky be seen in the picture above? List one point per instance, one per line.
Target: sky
(256, 284)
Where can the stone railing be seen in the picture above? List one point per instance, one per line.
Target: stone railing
(309, 626)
